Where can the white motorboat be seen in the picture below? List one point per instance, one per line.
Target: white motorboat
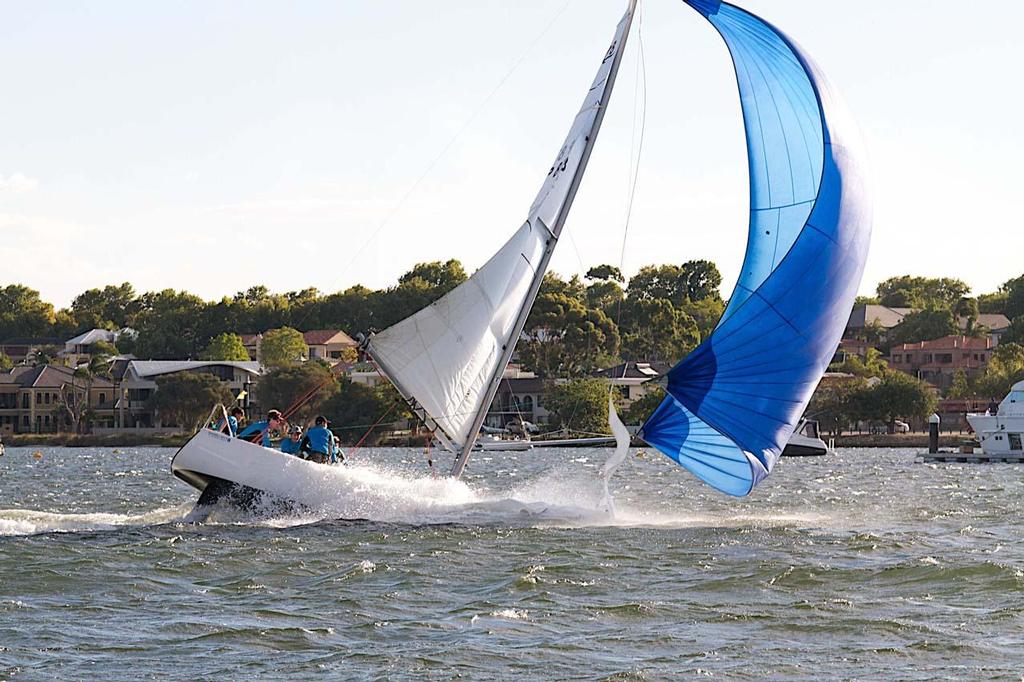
(491, 443)
(1002, 433)
(806, 441)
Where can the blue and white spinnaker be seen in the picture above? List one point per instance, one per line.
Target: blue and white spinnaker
(734, 402)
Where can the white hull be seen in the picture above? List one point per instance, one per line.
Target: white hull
(999, 435)
(800, 445)
(210, 457)
(504, 445)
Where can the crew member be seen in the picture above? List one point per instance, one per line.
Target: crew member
(263, 428)
(318, 443)
(236, 415)
(290, 445)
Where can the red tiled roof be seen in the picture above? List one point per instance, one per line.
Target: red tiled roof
(949, 343)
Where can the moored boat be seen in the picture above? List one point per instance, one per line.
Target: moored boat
(1002, 433)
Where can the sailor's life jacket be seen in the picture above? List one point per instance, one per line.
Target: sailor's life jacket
(319, 440)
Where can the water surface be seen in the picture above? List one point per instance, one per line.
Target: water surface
(860, 565)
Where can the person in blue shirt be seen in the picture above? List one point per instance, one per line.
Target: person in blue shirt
(290, 445)
(236, 415)
(273, 422)
(318, 443)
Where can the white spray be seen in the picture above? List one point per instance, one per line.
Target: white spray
(617, 458)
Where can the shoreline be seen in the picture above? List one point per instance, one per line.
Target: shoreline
(911, 440)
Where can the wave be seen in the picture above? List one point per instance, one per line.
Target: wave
(566, 498)
(31, 522)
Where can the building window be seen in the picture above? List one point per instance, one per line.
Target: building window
(25, 402)
(944, 358)
(103, 398)
(926, 359)
(897, 357)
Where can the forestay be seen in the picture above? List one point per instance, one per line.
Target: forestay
(447, 360)
(734, 402)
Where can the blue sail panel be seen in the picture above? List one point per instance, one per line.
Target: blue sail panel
(734, 402)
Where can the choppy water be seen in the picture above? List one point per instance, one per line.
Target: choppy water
(863, 565)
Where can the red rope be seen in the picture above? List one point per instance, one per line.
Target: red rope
(367, 434)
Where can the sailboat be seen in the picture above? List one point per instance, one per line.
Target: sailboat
(448, 359)
(734, 402)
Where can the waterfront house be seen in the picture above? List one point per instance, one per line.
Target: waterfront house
(938, 361)
(52, 398)
(22, 350)
(329, 345)
(136, 381)
(633, 380)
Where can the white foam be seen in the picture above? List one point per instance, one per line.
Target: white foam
(30, 522)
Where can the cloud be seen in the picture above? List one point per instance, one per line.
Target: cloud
(17, 183)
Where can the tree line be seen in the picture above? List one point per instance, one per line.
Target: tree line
(577, 325)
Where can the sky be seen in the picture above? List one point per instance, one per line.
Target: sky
(213, 145)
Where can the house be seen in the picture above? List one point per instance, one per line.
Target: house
(517, 397)
(871, 315)
(48, 398)
(20, 350)
(632, 379)
(996, 324)
(136, 380)
(79, 349)
(938, 361)
(329, 345)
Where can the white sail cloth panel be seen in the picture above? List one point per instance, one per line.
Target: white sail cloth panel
(444, 358)
(553, 194)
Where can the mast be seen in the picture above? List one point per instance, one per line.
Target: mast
(615, 53)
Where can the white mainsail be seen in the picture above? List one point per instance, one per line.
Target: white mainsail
(447, 360)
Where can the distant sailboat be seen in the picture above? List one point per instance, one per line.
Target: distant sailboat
(447, 360)
(734, 402)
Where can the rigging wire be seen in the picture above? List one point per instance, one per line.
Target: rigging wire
(636, 155)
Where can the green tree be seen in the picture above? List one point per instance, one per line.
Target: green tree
(441, 277)
(606, 296)
(23, 313)
(654, 330)
(169, 325)
(6, 365)
(1014, 290)
(46, 355)
(706, 313)
(183, 399)
(873, 365)
(924, 325)
(994, 304)
(921, 292)
(834, 403)
(967, 308)
(1015, 334)
(283, 347)
(226, 347)
(961, 387)
(897, 396)
(580, 405)
(1005, 369)
(356, 408)
(641, 409)
(112, 307)
(284, 386)
(103, 349)
(702, 279)
(563, 338)
(606, 273)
